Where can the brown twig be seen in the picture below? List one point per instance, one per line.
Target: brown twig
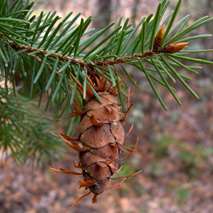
(75, 60)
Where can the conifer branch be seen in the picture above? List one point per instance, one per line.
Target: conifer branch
(63, 49)
(50, 56)
(41, 52)
(75, 61)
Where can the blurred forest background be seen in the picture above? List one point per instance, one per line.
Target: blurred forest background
(175, 149)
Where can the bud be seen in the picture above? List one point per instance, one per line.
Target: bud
(158, 38)
(173, 48)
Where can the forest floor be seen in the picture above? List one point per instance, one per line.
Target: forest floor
(175, 153)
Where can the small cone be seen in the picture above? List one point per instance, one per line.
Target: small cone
(174, 48)
(158, 38)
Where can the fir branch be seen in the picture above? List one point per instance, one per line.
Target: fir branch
(44, 54)
(24, 131)
(57, 49)
(32, 51)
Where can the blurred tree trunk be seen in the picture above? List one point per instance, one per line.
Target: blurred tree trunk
(11, 1)
(134, 11)
(101, 11)
(117, 12)
(209, 9)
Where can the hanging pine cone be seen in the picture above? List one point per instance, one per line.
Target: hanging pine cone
(101, 136)
(100, 133)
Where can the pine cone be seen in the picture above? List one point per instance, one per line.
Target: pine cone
(101, 136)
